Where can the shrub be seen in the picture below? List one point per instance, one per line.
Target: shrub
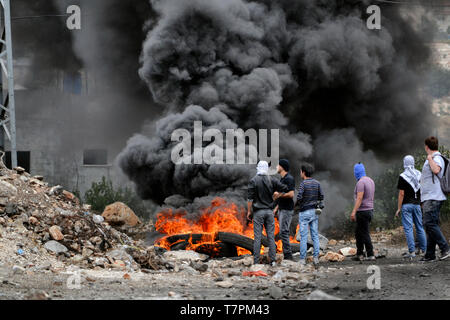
(103, 193)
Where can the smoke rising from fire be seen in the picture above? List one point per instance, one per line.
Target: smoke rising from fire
(340, 93)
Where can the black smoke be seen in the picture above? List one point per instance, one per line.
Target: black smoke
(340, 93)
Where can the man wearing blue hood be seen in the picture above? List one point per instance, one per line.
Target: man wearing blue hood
(363, 212)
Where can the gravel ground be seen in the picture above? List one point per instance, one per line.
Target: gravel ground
(400, 279)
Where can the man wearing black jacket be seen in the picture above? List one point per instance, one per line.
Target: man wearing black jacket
(260, 199)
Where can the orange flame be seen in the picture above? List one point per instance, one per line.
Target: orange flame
(219, 216)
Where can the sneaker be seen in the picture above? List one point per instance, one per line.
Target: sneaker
(420, 252)
(316, 261)
(371, 258)
(411, 255)
(425, 259)
(445, 255)
(302, 262)
(273, 264)
(358, 258)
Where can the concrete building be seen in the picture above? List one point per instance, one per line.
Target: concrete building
(58, 132)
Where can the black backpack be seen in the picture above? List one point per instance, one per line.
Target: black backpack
(445, 180)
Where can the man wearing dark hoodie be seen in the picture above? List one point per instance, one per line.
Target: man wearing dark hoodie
(363, 212)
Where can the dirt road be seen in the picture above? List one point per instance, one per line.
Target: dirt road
(400, 279)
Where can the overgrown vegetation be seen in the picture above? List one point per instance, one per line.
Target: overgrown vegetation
(103, 193)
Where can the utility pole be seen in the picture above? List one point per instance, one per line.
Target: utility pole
(7, 102)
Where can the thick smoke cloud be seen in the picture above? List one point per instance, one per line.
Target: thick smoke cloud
(310, 68)
(340, 93)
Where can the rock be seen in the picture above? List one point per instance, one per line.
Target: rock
(320, 295)
(69, 195)
(4, 201)
(332, 242)
(100, 262)
(55, 247)
(65, 213)
(333, 257)
(121, 255)
(96, 240)
(19, 170)
(348, 251)
(118, 264)
(38, 295)
(39, 178)
(18, 270)
(7, 189)
(225, 284)
(201, 267)
(78, 258)
(119, 213)
(183, 255)
(380, 253)
(126, 276)
(259, 267)
(276, 292)
(33, 220)
(55, 190)
(247, 261)
(188, 269)
(55, 233)
(98, 219)
(86, 252)
(2, 221)
(279, 276)
(11, 209)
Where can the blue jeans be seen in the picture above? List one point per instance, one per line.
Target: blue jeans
(412, 215)
(309, 220)
(431, 221)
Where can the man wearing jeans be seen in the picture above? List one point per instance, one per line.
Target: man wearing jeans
(285, 207)
(260, 199)
(309, 194)
(432, 198)
(409, 205)
(363, 212)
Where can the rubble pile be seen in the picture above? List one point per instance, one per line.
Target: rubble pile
(40, 224)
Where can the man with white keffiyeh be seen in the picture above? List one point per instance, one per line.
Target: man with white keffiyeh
(409, 206)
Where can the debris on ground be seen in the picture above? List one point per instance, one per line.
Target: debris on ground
(332, 257)
(119, 213)
(320, 295)
(347, 251)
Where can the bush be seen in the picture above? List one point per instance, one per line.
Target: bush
(103, 193)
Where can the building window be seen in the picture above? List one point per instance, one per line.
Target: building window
(95, 157)
(23, 159)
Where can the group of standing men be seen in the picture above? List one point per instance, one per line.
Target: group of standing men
(418, 192)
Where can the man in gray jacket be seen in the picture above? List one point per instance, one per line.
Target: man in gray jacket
(260, 199)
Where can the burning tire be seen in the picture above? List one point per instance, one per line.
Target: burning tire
(246, 242)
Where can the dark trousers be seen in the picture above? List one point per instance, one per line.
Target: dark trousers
(284, 220)
(362, 233)
(264, 218)
(431, 210)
